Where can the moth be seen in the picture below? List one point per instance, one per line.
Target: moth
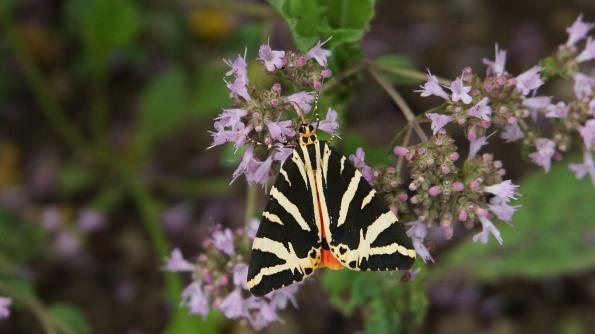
(321, 212)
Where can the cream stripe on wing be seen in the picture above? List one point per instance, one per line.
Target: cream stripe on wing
(368, 198)
(290, 208)
(348, 197)
(342, 164)
(300, 165)
(285, 176)
(323, 166)
(272, 217)
(313, 190)
(325, 157)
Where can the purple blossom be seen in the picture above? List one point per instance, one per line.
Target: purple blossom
(239, 67)
(273, 60)
(67, 244)
(248, 164)
(51, 218)
(587, 167)
(438, 121)
(176, 262)
(233, 305)
(223, 241)
(303, 100)
(588, 133)
(252, 228)
(279, 130)
(558, 110)
(537, 102)
(261, 174)
(577, 31)
(231, 118)
(417, 232)
(196, 299)
(240, 274)
(589, 51)
(545, 150)
(460, 92)
(432, 87)
(496, 66)
(329, 124)
(281, 152)
(358, 162)
(240, 88)
(502, 209)
(481, 110)
(504, 190)
(236, 135)
(487, 228)
(476, 145)
(583, 85)
(529, 80)
(318, 53)
(5, 307)
(512, 132)
(280, 298)
(90, 220)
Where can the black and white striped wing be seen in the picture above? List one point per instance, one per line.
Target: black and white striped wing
(287, 245)
(364, 233)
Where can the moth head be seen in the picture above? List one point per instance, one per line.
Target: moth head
(306, 131)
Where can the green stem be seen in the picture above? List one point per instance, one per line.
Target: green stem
(50, 324)
(148, 207)
(251, 195)
(41, 89)
(100, 107)
(408, 73)
(399, 101)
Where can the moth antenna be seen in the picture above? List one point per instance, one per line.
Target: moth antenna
(317, 113)
(298, 110)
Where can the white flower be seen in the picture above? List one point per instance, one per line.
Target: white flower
(481, 110)
(476, 145)
(512, 132)
(319, 54)
(438, 121)
(487, 228)
(177, 263)
(589, 51)
(497, 65)
(460, 92)
(505, 190)
(587, 167)
(432, 87)
(577, 31)
(529, 80)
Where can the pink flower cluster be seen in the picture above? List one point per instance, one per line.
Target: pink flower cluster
(262, 121)
(511, 104)
(219, 280)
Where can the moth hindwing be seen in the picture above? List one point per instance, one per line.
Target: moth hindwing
(322, 212)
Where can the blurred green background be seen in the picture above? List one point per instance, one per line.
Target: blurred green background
(104, 111)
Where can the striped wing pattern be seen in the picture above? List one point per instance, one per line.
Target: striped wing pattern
(316, 187)
(287, 244)
(364, 233)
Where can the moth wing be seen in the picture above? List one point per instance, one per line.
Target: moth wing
(364, 233)
(287, 247)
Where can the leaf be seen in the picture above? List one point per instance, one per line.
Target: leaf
(108, 25)
(399, 62)
(71, 316)
(210, 92)
(182, 322)
(14, 233)
(163, 106)
(345, 21)
(73, 178)
(553, 233)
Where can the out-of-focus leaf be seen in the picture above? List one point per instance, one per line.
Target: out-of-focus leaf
(102, 25)
(18, 283)
(210, 93)
(14, 233)
(247, 38)
(182, 322)
(230, 157)
(163, 106)
(107, 199)
(397, 61)
(71, 316)
(374, 154)
(74, 178)
(553, 233)
(389, 306)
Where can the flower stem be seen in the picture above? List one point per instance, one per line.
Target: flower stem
(398, 99)
(251, 194)
(50, 324)
(408, 73)
(41, 89)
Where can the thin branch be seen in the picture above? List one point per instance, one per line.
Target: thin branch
(412, 74)
(347, 73)
(398, 99)
(251, 195)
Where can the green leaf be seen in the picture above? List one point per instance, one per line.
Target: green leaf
(345, 21)
(14, 233)
(108, 25)
(553, 233)
(71, 316)
(375, 154)
(210, 92)
(163, 106)
(73, 178)
(398, 62)
(182, 322)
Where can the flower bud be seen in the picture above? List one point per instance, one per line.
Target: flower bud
(454, 156)
(458, 186)
(462, 215)
(444, 169)
(276, 87)
(400, 150)
(326, 73)
(471, 134)
(474, 185)
(316, 85)
(403, 197)
(434, 191)
(481, 212)
(301, 61)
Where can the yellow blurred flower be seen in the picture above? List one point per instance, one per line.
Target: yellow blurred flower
(210, 24)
